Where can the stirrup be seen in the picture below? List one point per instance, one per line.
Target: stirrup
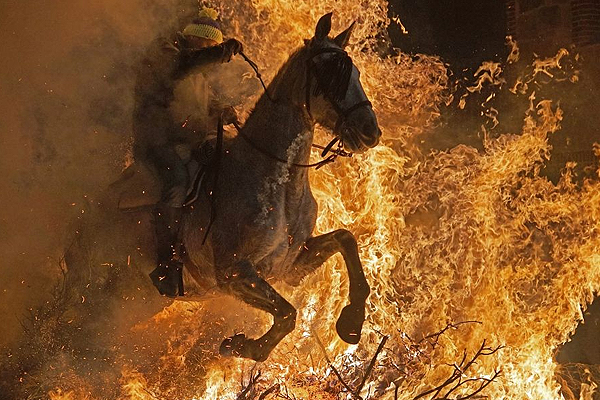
(168, 279)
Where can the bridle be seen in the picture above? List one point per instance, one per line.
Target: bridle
(341, 113)
(342, 117)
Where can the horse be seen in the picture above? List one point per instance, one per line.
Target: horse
(261, 212)
(266, 212)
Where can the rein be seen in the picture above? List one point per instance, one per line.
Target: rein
(329, 159)
(257, 72)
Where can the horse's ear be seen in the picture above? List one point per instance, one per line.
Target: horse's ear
(323, 27)
(343, 38)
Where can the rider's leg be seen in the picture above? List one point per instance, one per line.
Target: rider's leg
(167, 276)
(204, 154)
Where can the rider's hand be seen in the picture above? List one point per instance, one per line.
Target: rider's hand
(229, 115)
(230, 48)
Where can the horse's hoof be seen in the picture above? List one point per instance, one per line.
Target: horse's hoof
(349, 324)
(233, 346)
(240, 346)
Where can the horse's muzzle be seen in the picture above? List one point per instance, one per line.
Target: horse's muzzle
(360, 140)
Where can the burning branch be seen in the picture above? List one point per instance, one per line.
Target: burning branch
(267, 392)
(415, 354)
(433, 339)
(406, 363)
(372, 363)
(248, 392)
(355, 393)
(251, 383)
(456, 379)
(335, 371)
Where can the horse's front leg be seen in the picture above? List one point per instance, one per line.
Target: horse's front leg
(242, 281)
(318, 249)
(315, 252)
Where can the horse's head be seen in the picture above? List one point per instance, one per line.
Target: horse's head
(334, 96)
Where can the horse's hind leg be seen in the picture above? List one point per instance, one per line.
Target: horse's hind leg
(243, 282)
(318, 249)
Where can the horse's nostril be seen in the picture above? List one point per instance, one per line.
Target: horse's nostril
(374, 141)
(370, 135)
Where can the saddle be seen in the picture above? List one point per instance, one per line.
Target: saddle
(140, 187)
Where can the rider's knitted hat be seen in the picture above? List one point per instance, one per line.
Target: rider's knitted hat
(205, 26)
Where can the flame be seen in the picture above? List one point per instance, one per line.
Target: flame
(135, 386)
(398, 22)
(58, 394)
(458, 235)
(515, 53)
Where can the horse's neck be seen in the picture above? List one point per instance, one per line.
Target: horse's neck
(282, 126)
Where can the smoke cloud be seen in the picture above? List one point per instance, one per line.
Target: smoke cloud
(66, 84)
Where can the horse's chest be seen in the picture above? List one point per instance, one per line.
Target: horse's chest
(292, 226)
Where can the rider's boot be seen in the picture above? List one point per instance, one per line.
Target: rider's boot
(167, 276)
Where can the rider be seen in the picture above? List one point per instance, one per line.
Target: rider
(159, 127)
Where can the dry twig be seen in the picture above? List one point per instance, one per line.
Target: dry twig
(372, 363)
(456, 379)
(433, 339)
(368, 371)
(251, 382)
(267, 392)
(335, 371)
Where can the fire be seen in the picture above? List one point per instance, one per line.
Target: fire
(58, 394)
(135, 386)
(458, 235)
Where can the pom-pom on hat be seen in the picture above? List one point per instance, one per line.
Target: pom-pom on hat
(205, 26)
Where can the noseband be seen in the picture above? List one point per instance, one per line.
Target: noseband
(341, 112)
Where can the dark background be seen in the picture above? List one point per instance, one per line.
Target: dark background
(462, 32)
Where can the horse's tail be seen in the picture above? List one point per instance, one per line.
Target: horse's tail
(107, 265)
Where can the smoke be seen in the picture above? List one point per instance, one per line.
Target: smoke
(67, 77)
(66, 97)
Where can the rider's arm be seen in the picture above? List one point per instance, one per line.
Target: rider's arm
(196, 58)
